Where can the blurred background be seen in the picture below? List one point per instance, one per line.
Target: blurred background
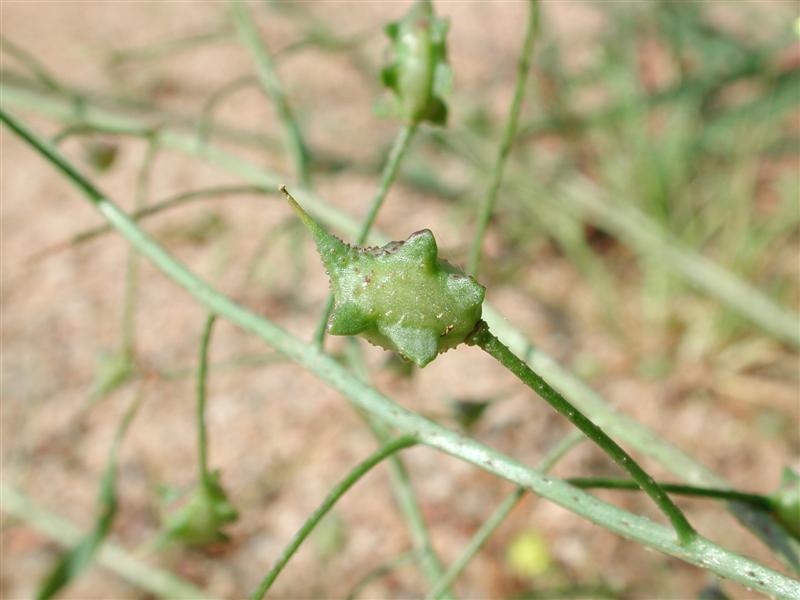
(656, 138)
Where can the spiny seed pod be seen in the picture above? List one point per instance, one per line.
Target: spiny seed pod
(418, 74)
(786, 502)
(201, 519)
(401, 297)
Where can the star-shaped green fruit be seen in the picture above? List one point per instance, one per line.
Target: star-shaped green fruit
(400, 296)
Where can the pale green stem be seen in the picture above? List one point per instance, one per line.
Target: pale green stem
(132, 268)
(274, 90)
(381, 571)
(331, 499)
(700, 551)
(496, 177)
(486, 340)
(149, 211)
(401, 144)
(499, 516)
(206, 122)
(401, 483)
(202, 377)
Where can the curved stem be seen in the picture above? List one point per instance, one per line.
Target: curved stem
(673, 488)
(132, 267)
(401, 144)
(489, 199)
(401, 482)
(202, 377)
(499, 515)
(272, 86)
(149, 211)
(381, 571)
(330, 500)
(206, 122)
(486, 340)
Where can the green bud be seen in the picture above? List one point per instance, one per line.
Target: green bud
(786, 502)
(401, 296)
(201, 519)
(418, 74)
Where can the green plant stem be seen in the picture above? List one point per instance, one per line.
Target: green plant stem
(274, 90)
(202, 380)
(64, 532)
(381, 571)
(34, 66)
(486, 340)
(132, 268)
(206, 122)
(330, 500)
(487, 206)
(700, 552)
(499, 516)
(161, 49)
(757, 500)
(401, 481)
(149, 211)
(401, 144)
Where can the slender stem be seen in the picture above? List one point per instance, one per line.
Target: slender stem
(487, 206)
(83, 128)
(148, 211)
(202, 377)
(486, 340)
(701, 552)
(38, 70)
(401, 480)
(381, 571)
(674, 488)
(402, 141)
(273, 88)
(330, 500)
(206, 122)
(157, 50)
(132, 268)
(499, 516)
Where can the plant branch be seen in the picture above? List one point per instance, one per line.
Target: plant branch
(499, 516)
(401, 143)
(756, 500)
(330, 500)
(401, 482)
(274, 90)
(496, 177)
(202, 376)
(486, 340)
(700, 552)
(132, 267)
(149, 211)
